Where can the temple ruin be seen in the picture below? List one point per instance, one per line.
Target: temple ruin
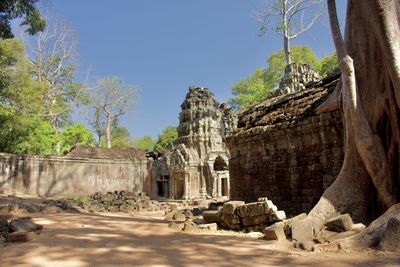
(285, 151)
(197, 165)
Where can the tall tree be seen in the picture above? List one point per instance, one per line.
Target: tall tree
(290, 23)
(12, 9)
(110, 99)
(52, 54)
(369, 94)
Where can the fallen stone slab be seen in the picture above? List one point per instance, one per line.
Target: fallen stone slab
(289, 223)
(23, 225)
(339, 223)
(304, 230)
(210, 216)
(275, 232)
(229, 207)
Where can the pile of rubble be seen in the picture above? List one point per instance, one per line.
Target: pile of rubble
(232, 215)
(49, 206)
(18, 229)
(121, 201)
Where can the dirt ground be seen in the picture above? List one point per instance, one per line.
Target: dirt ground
(85, 239)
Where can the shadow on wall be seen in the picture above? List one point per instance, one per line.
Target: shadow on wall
(58, 175)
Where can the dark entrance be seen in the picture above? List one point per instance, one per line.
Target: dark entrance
(224, 187)
(163, 186)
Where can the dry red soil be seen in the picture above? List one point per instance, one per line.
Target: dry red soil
(114, 240)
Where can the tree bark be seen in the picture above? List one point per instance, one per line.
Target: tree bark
(369, 182)
(108, 129)
(286, 45)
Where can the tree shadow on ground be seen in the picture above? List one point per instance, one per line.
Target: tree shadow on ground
(102, 240)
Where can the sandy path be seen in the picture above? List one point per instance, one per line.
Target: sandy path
(113, 240)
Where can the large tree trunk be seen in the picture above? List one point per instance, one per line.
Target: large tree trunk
(369, 182)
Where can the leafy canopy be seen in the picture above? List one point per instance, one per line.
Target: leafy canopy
(12, 9)
(145, 143)
(74, 135)
(166, 139)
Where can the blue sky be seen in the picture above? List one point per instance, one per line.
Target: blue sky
(164, 46)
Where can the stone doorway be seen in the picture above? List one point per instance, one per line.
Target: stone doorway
(163, 186)
(224, 187)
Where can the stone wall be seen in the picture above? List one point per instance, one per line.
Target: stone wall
(283, 150)
(66, 175)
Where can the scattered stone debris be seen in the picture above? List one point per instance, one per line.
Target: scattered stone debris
(14, 205)
(120, 201)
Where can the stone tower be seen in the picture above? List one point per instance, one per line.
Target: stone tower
(198, 165)
(296, 77)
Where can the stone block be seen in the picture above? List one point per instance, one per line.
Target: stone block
(288, 223)
(277, 216)
(210, 216)
(209, 227)
(229, 207)
(339, 223)
(274, 232)
(255, 220)
(304, 230)
(24, 225)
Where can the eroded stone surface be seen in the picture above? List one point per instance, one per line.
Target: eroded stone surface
(283, 150)
(197, 165)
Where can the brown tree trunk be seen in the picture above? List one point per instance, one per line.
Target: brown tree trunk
(369, 182)
(108, 130)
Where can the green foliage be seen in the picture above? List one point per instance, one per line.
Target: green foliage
(12, 9)
(327, 65)
(250, 90)
(255, 88)
(18, 90)
(166, 139)
(121, 138)
(74, 135)
(26, 135)
(145, 143)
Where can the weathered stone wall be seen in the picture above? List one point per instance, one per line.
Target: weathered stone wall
(65, 175)
(284, 151)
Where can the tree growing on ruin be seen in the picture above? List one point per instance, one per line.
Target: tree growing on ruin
(25, 9)
(291, 20)
(369, 94)
(255, 88)
(110, 99)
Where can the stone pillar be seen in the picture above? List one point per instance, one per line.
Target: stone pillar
(186, 186)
